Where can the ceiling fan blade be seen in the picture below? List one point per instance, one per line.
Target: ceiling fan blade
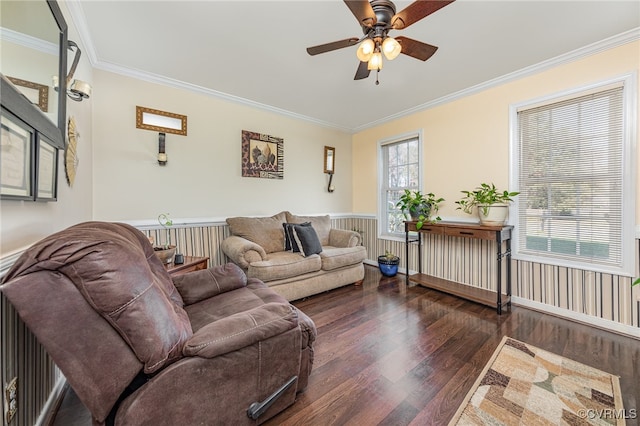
(328, 47)
(362, 72)
(416, 11)
(416, 49)
(363, 12)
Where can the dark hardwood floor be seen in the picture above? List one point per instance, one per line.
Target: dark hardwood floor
(388, 354)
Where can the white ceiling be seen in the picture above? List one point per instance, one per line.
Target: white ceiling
(254, 51)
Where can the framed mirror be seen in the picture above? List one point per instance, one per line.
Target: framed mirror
(161, 121)
(34, 50)
(329, 159)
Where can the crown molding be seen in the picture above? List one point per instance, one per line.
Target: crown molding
(165, 81)
(77, 16)
(591, 49)
(80, 23)
(28, 41)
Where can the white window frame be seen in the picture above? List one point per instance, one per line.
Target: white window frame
(381, 214)
(630, 117)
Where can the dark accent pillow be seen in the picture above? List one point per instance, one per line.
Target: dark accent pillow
(307, 239)
(290, 242)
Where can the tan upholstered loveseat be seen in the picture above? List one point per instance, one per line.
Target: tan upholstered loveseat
(257, 245)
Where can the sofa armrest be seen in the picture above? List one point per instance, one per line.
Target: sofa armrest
(241, 251)
(344, 238)
(242, 329)
(205, 283)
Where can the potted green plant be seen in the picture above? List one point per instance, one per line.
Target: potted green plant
(420, 207)
(388, 264)
(165, 252)
(492, 204)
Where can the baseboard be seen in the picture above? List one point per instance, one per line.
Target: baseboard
(607, 325)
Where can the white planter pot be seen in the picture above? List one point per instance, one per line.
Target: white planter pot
(497, 214)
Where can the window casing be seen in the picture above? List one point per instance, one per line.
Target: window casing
(399, 168)
(572, 163)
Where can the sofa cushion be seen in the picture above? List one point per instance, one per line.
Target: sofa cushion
(265, 231)
(322, 225)
(338, 257)
(282, 265)
(306, 239)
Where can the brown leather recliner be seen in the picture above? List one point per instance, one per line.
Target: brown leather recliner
(209, 347)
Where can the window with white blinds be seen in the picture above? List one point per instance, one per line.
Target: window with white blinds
(571, 177)
(400, 169)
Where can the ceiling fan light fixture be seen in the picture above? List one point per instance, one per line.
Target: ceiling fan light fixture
(375, 63)
(391, 48)
(365, 50)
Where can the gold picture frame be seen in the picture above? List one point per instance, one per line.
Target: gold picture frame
(42, 94)
(161, 121)
(329, 159)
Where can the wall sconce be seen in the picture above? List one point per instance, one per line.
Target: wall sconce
(77, 90)
(330, 165)
(162, 156)
(162, 122)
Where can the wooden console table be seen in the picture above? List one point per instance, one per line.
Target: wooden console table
(499, 234)
(191, 263)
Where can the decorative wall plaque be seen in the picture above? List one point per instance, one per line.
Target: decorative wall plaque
(262, 155)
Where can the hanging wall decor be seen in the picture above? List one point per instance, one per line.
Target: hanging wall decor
(71, 152)
(262, 156)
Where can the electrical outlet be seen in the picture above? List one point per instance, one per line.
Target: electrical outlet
(10, 399)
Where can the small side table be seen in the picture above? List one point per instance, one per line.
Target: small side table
(191, 263)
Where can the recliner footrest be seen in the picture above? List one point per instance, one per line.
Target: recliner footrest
(258, 408)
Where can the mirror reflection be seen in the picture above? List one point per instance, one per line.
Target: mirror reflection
(29, 45)
(329, 159)
(161, 121)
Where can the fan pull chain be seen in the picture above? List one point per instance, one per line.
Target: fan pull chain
(377, 73)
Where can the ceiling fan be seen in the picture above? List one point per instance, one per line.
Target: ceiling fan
(377, 18)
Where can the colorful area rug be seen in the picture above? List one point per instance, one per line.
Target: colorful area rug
(524, 385)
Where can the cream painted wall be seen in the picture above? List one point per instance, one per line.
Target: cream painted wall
(23, 223)
(466, 141)
(202, 178)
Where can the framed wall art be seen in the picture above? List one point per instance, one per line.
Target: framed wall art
(262, 156)
(16, 158)
(47, 177)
